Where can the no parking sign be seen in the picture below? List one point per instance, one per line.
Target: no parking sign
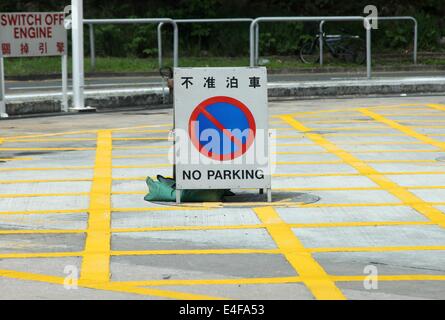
(221, 128)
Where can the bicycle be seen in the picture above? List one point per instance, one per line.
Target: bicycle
(349, 48)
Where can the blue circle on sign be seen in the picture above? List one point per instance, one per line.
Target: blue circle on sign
(222, 128)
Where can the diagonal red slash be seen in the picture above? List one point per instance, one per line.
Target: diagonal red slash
(219, 125)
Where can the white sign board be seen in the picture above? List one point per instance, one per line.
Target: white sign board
(221, 128)
(32, 34)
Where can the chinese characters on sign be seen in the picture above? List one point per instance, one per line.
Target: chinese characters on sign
(210, 82)
(32, 34)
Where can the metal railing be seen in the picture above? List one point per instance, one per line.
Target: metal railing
(253, 38)
(378, 18)
(92, 22)
(189, 21)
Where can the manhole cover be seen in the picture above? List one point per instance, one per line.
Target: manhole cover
(246, 199)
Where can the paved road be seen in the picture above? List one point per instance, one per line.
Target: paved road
(365, 179)
(29, 87)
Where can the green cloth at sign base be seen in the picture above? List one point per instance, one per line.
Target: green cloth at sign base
(164, 190)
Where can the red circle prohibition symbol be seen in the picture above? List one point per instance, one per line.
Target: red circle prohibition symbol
(219, 112)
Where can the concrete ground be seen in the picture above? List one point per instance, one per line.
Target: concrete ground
(359, 189)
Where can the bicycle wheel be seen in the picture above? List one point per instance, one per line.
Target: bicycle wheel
(310, 52)
(353, 50)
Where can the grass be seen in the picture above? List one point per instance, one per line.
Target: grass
(52, 65)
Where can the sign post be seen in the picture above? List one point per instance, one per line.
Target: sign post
(78, 55)
(3, 113)
(221, 129)
(32, 34)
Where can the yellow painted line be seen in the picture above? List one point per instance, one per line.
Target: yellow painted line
(146, 131)
(422, 121)
(351, 143)
(150, 291)
(157, 165)
(16, 159)
(34, 195)
(322, 113)
(398, 277)
(360, 224)
(193, 282)
(48, 169)
(337, 121)
(115, 287)
(431, 213)
(40, 255)
(46, 149)
(188, 228)
(333, 174)
(362, 134)
(142, 178)
(150, 209)
(142, 127)
(314, 276)
(357, 128)
(62, 211)
(378, 249)
(428, 126)
(360, 151)
(160, 165)
(340, 161)
(140, 139)
(137, 156)
(140, 147)
(50, 140)
(58, 231)
(398, 106)
(420, 114)
(396, 151)
(436, 106)
(44, 181)
(307, 162)
(383, 143)
(142, 192)
(403, 161)
(96, 260)
(340, 174)
(404, 129)
(293, 144)
(43, 135)
(194, 252)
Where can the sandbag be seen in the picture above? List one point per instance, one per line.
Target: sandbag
(165, 190)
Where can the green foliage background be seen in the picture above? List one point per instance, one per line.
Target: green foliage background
(232, 39)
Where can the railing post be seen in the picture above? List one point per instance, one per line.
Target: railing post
(257, 43)
(65, 82)
(3, 113)
(175, 44)
(92, 47)
(368, 48)
(415, 42)
(160, 44)
(252, 42)
(321, 42)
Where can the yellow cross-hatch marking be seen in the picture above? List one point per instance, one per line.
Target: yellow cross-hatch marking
(96, 259)
(406, 130)
(313, 275)
(401, 193)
